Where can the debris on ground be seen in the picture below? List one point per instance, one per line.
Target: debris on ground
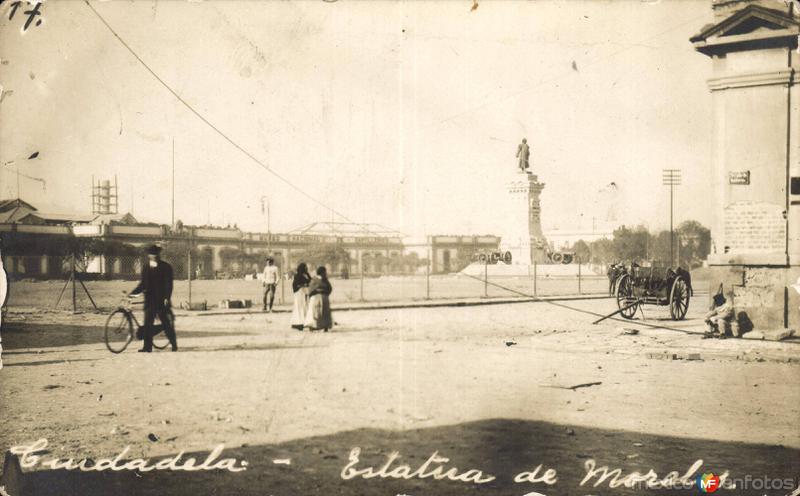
(152, 437)
(510, 343)
(573, 388)
(119, 430)
(778, 334)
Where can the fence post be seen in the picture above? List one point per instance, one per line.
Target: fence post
(486, 279)
(579, 276)
(535, 276)
(428, 280)
(361, 288)
(74, 289)
(189, 275)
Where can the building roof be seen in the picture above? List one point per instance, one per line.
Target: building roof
(14, 210)
(19, 211)
(346, 229)
(63, 218)
(753, 25)
(6, 205)
(125, 219)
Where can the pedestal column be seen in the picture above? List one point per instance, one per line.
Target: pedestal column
(522, 235)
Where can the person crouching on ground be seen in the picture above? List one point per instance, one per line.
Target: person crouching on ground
(271, 277)
(156, 284)
(300, 288)
(718, 317)
(319, 315)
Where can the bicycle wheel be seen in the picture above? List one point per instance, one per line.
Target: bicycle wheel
(160, 340)
(119, 331)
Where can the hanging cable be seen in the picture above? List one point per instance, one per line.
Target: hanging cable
(212, 126)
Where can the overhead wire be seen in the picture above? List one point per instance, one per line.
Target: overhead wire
(572, 308)
(210, 124)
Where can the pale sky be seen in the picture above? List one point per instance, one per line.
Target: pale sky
(406, 114)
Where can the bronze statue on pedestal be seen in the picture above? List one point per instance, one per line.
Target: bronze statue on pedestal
(523, 152)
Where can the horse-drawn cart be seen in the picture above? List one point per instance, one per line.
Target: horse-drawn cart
(657, 284)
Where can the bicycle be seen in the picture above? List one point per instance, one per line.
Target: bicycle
(119, 331)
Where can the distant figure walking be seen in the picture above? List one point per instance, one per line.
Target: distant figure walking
(319, 305)
(271, 277)
(300, 288)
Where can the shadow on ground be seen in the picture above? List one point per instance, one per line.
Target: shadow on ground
(22, 335)
(502, 448)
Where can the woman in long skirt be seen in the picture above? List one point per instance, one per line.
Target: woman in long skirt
(319, 305)
(300, 288)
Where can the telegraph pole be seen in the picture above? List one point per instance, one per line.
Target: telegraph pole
(671, 178)
(16, 169)
(173, 183)
(265, 201)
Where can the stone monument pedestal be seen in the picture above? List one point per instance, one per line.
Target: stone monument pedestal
(521, 230)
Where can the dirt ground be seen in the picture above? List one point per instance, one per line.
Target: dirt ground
(489, 387)
(107, 294)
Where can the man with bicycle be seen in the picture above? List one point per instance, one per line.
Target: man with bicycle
(156, 284)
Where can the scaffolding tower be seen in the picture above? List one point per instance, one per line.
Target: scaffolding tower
(104, 197)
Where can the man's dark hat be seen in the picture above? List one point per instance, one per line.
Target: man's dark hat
(153, 250)
(719, 298)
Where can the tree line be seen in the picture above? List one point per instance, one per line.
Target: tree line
(692, 244)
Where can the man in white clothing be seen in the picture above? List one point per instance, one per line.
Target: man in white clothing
(271, 277)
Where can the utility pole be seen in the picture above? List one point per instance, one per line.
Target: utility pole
(265, 201)
(671, 178)
(173, 183)
(16, 168)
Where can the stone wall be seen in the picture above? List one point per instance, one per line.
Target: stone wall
(764, 294)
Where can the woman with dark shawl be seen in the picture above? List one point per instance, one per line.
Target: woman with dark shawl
(319, 305)
(300, 288)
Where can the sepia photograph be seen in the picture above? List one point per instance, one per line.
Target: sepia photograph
(399, 247)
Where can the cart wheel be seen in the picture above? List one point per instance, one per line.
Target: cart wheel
(679, 299)
(625, 296)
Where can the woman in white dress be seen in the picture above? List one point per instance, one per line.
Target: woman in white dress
(300, 288)
(319, 306)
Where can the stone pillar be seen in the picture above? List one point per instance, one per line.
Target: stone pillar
(522, 230)
(216, 260)
(752, 49)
